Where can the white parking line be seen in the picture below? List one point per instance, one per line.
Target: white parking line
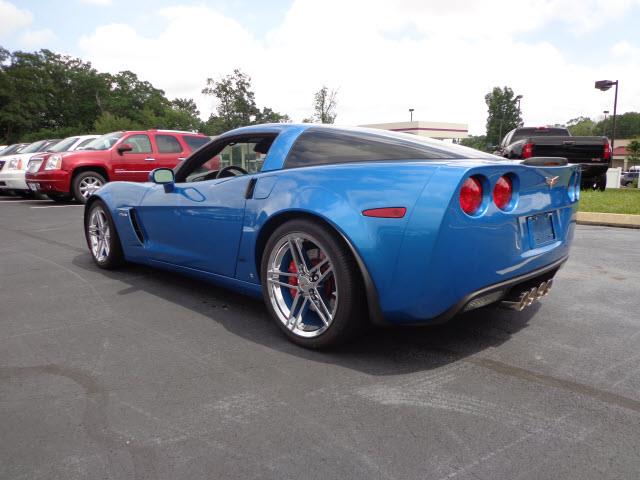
(60, 206)
(23, 201)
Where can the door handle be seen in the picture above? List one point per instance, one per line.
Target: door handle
(149, 159)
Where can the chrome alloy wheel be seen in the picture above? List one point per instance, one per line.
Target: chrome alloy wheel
(99, 234)
(88, 185)
(302, 285)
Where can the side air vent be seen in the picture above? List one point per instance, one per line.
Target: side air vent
(136, 225)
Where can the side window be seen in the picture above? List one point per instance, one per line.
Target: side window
(195, 142)
(168, 144)
(320, 147)
(84, 142)
(139, 142)
(247, 155)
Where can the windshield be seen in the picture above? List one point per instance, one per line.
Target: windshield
(104, 142)
(34, 147)
(64, 145)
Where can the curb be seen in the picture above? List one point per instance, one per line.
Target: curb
(609, 219)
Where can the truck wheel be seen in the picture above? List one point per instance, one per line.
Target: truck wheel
(85, 183)
(602, 182)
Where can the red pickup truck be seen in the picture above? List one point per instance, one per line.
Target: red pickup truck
(128, 156)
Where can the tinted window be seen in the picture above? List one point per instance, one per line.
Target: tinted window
(538, 132)
(168, 144)
(85, 142)
(140, 143)
(10, 149)
(318, 146)
(194, 142)
(104, 142)
(34, 147)
(64, 145)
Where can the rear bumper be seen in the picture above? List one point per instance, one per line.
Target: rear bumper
(592, 172)
(54, 181)
(12, 180)
(498, 291)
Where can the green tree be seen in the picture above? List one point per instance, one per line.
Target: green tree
(581, 126)
(267, 115)
(108, 122)
(479, 142)
(236, 102)
(633, 152)
(325, 102)
(45, 91)
(236, 105)
(627, 126)
(503, 113)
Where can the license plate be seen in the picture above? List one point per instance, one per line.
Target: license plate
(541, 229)
(34, 186)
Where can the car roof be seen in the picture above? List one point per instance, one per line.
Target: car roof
(157, 130)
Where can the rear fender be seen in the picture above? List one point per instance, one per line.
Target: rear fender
(338, 195)
(447, 254)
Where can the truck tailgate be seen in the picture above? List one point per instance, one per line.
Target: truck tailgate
(574, 149)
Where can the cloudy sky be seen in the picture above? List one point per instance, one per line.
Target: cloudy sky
(437, 56)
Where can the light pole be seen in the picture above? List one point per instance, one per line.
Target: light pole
(606, 112)
(411, 114)
(605, 85)
(518, 98)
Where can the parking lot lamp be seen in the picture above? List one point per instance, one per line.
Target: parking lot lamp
(605, 85)
(411, 114)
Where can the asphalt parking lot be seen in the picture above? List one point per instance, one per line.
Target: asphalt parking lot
(144, 374)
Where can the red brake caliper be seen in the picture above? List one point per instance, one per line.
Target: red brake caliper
(293, 280)
(328, 284)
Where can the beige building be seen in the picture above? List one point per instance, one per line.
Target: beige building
(620, 154)
(439, 130)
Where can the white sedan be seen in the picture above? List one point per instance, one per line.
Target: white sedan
(14, 167)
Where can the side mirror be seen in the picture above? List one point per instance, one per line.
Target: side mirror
(162, 176)
(125, 147)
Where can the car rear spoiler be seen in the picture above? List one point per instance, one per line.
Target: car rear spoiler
(546, 161)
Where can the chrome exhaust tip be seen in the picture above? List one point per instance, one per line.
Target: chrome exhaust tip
(527, 297)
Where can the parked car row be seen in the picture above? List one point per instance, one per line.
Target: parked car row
(73, 168)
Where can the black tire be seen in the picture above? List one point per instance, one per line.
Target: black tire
(59, 197)
(77, 184)
(349, 316)
(114, 256)
(602, 182)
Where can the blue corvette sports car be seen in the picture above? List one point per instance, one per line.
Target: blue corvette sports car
(339, 227)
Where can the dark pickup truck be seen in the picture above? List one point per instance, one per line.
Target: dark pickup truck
(592, 153)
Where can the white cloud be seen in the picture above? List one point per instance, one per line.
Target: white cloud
(35, 39)
(625, 49)
(455, 53)
(12, 18)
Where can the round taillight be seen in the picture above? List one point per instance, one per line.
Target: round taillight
(471, 195)
(503, 192)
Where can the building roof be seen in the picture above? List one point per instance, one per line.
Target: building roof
(426, 129)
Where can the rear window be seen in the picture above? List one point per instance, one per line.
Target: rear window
(194, 142)
(538, 132)
(319, 146)
(168, 144)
